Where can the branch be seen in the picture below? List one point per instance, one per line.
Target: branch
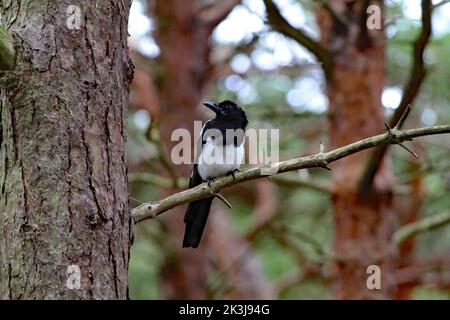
(416, 272)
(418, 73)
(215, 14)
(437, 5)
(280, 24)
(7, 52)
(336, 18)
(157, 180)
(421, 226)
(320, 160)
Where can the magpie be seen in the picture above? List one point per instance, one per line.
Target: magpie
(221, 153)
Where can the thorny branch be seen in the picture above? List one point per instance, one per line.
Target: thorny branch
(319, 160)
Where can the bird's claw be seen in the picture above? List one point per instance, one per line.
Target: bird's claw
(231, 173)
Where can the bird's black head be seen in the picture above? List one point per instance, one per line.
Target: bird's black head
(229, 111)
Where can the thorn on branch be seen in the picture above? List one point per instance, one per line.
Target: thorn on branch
(324, 165)
(407, 149)
(389, 129)
(392, 132)
(221, 197)
(403, 117)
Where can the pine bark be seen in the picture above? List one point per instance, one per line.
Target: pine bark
(63, 182)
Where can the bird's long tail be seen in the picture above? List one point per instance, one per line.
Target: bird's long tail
(195, 220)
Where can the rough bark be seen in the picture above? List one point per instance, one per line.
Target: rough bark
(363, 222)
(63, 183)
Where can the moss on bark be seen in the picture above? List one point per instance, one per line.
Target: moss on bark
(7, 52)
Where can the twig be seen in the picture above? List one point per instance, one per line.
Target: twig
(215, 14)
(7, 51)
(421, 226)
(152, 209)
(409, 150)
(221, 197)
(402, 119)
(389, 129)
(440, 4)
(157, 180)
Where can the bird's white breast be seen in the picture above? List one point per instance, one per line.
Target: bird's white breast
(217, 160)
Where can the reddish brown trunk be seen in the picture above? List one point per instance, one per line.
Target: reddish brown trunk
(363, 222)
(185, 71)
(408, 208)
(184, 62)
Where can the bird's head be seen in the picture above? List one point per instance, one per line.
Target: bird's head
(228, 111)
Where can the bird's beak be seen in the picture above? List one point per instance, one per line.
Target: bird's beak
(213, 106)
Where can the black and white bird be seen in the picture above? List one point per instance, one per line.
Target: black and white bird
(221, 153)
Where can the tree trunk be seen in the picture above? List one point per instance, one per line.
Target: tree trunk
(183, 62)
(63, 182)
(363, 222)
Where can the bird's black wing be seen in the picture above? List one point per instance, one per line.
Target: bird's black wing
(197, 211)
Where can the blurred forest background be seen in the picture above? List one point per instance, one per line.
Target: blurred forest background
(280, 238)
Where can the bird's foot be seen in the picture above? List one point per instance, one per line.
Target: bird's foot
(231, 173)
(209, 180)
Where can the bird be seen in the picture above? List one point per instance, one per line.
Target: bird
(221, 153)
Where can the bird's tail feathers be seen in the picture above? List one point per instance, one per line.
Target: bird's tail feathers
(195, 220)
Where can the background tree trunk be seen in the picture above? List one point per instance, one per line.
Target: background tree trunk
(63, 183)
(184, 61)
(363, 222)
(184, 72)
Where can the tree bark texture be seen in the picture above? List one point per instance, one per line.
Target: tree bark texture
(63, 182)
(363, 223)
